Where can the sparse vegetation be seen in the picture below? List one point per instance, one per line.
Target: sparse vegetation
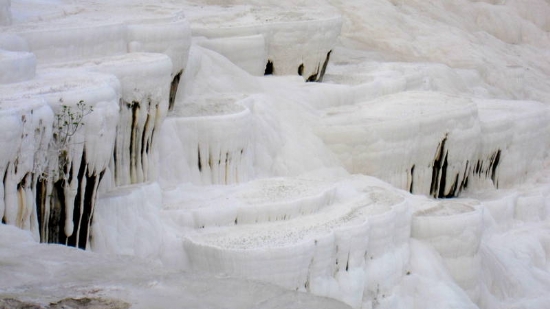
(67, 122)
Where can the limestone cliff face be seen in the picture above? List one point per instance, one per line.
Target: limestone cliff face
(85, 119)
(126, 74)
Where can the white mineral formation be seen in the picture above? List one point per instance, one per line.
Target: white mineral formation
(275, 154)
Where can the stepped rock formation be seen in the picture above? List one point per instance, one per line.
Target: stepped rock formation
(389, 154)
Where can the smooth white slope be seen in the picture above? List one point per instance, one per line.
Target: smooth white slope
(63, 272)
(5, 12)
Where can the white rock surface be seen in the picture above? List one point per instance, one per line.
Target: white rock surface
(211, 142)
(63, 272)
(16, 66)
(5, 12)
(27, 128)
(195, 176)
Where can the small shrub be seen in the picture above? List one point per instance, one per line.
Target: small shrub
(66, 123)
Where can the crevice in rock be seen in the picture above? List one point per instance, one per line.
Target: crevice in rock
(68, 169)
(324, 68)
(4, 182)
(464, 182)
(313, 77)
(51, 205)
(146, 136)
(134, 106)
(150, 142)
(440, 170)
(56, 220)
(115, 160)
(92, 183)
(436, 168)
(443, 178)
(453, 190)
(41, 212)
(199, 159)
(269, 68)
(144, 139)
(411, 186)
(494, 166)
(301, 69)
(78, 211)
(174, 90)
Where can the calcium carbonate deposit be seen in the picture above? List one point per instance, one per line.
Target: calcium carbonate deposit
(275, 154)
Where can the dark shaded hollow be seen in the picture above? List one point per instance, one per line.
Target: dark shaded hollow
(174, 90)
(115, 159)
(494, 166)
(464, 183)
(56, 223)
(73, 240)
(411, 187)
(443, 179)
(436, 168)
(269, 68)
(312, 78)
(324, 68)
(199, 159)
(135, 107)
